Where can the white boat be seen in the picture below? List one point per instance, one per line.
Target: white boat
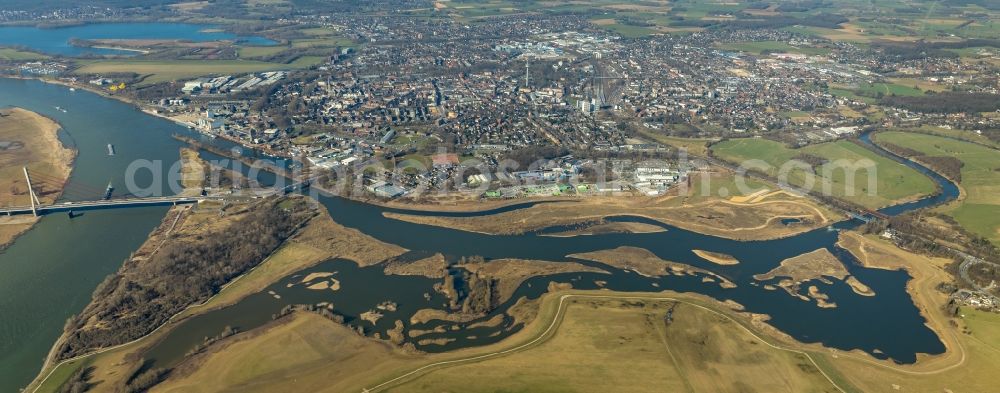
(72, 89)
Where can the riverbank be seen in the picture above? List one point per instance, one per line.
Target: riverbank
(121, 48)
(185, 263)
(759, 220)
(142, 107)
(319, 240)
(972, 167)
(969, 336)
(460, 204)
(114, 363)
(28, 139)
(50, 271)
(716, 257)
(564, 339)
(926, 274)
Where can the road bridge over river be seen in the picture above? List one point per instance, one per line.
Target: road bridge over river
(104, 204)
(37, 208)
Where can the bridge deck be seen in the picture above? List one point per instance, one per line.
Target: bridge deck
(92, 205)
(135, 202)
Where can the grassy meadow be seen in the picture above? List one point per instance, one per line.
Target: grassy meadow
(11, 54)
(894, 182)
(889, 89)
(598, 345)
(694, 146)
(260, 51)
(979, 212)
(608, 345)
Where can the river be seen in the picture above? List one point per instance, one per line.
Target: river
(49, 273)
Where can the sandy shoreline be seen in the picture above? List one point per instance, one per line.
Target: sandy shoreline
(925, 273)
(42, 152)
(716, 257)
(596, 209)
(121, 48)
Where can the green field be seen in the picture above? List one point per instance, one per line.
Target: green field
(693, 146)
(476, 9)
(894, 182)
(979, 212)
(889, 89)
(954, 133)
(61, 375)
(629, 31)
(171, 70)
(976, 51)
(869, 92)
(850, 94)
(259, 51)
(697, 9)
(11, 54)
(414, 140)
(985, 325)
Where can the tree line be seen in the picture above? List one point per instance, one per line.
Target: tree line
(949, 167)
(945, 102)
(143, 295)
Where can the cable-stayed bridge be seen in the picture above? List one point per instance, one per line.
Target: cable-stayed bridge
(103, 199)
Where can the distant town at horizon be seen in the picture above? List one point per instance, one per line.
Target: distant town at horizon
(496, 195)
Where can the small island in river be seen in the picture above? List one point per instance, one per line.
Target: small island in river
(716, 257)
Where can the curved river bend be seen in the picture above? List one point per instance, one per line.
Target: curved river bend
(50, 272)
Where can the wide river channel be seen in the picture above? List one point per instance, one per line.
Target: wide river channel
(49, 273)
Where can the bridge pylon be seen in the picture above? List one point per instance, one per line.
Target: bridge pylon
(31, 194)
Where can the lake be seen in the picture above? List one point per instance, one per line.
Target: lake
(56, 41)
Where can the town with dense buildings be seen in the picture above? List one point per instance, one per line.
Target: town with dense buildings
(517, 82)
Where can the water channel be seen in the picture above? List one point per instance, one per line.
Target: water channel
(49, 273)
